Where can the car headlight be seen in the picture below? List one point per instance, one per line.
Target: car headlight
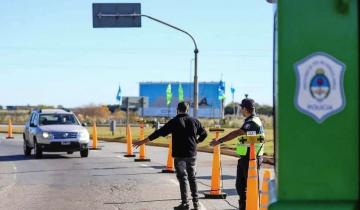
(83, 135)
(45, 135)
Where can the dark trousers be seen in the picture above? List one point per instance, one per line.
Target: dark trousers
(241, 178)
(186, 170)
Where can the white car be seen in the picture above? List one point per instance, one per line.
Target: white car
(55, 130)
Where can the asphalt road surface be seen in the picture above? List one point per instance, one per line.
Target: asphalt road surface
(104, 180)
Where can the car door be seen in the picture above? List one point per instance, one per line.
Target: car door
(33, 127)
(27, 128)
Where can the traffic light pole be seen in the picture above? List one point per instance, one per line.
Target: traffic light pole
(196, 51)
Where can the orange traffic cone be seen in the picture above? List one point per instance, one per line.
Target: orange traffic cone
(94, 138)
(215, 192)
(170, 160)
(129, 142)
(10, 130)
(252, 192)
(264, 194)
(142, 147)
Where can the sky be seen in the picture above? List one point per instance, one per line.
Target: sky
(50, 53)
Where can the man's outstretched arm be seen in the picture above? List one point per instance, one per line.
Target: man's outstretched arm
(139, 143)
(163, 131)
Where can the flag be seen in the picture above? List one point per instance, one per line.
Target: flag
(168, 94)
(118, 95)
(232, 90)
(221, 90)
(181, 93)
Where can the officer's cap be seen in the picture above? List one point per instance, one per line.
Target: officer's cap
(248, 103)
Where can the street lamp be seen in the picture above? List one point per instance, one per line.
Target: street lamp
(196, 51)
(120, 11)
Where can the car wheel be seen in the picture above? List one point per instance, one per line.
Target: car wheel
(84, 153)
(37, 150)
(27, 149)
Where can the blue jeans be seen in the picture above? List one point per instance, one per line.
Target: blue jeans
(186, 170)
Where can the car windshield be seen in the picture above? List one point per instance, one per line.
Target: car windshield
(58, 119)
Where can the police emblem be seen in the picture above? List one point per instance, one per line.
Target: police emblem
(320, 91)
(247, 126)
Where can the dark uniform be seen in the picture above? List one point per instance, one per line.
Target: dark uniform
(186, 132)
(252, 123)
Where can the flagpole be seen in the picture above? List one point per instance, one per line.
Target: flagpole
(168, 98)
(233, 101)
(169, 111)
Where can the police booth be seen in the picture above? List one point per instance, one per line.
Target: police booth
(316, 91)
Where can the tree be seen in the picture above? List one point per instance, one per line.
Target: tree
(43, 106)
(264, 109)
(229, 109)
(92, 112)
(113, 108)
(260, 109)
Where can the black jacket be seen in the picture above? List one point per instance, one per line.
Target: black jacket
(186, 133)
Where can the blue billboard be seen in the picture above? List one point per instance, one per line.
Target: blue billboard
(209, 103)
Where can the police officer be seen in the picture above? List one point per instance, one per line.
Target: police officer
(252, 124)
(186, 132)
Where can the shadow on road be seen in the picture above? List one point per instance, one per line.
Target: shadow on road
(126, 174)
(64, 169)
(147, 201)
(229, 192)
(23, 157)
(223, 177)
(5, 158)
(125, 153)
(155, 167)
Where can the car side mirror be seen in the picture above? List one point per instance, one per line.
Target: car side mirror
(84, 124)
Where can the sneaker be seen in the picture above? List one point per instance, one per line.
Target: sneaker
(182, 206)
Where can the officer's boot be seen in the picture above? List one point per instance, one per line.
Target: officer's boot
(242, 205)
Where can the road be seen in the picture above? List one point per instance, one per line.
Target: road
(104, 180)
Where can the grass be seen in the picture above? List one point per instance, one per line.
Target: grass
(105, 133)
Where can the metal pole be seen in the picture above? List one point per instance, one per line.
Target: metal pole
(127, 111)
(142, 107)
(196, 85)
(233, 105)
(196, 51)
(190, 81)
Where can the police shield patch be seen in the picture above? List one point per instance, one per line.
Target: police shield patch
(320, 90)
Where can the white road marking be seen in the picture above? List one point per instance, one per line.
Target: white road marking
(174, 182)
(202, 206)
(144, 165)
(4, 189)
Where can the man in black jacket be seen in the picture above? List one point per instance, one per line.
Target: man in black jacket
(186, 133)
